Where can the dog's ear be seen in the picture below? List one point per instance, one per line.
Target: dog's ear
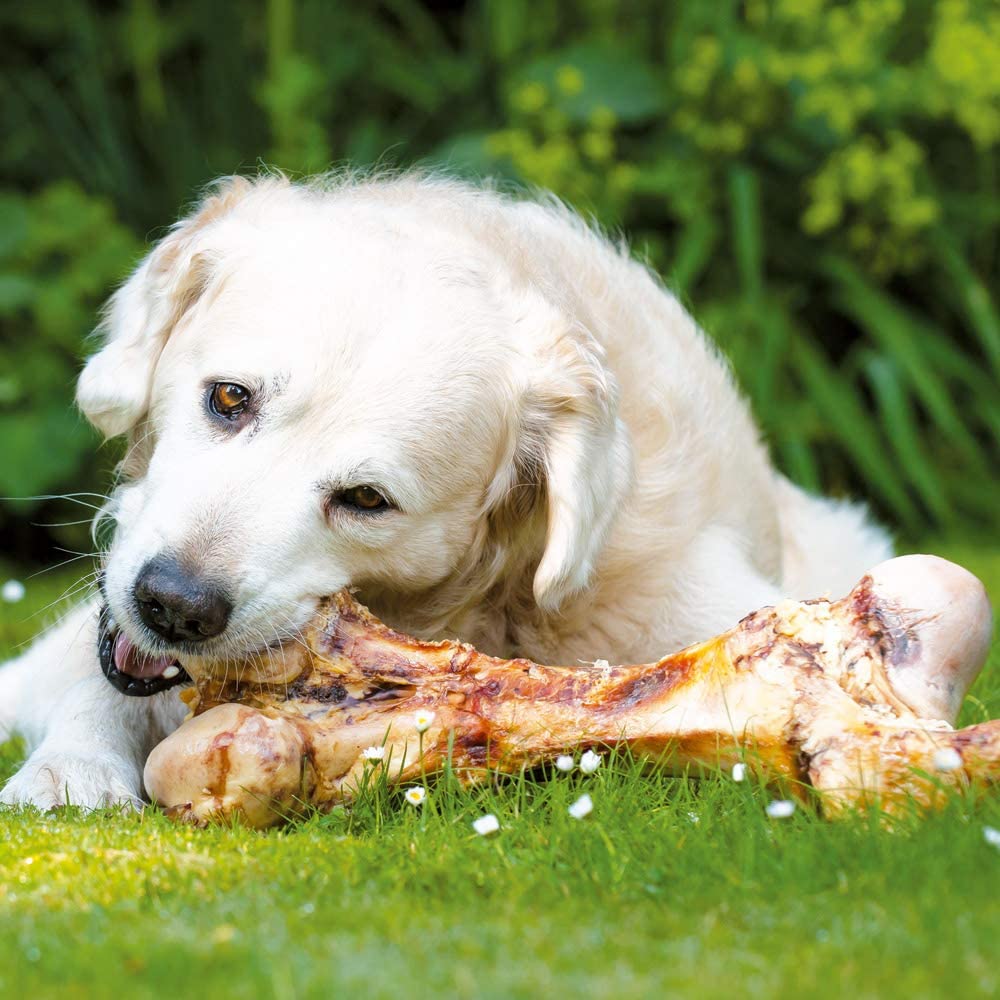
(114, 387)
(575, 438)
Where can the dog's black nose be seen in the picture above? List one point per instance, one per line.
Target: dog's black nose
(179, 605)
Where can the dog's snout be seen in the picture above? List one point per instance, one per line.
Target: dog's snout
(179, 605)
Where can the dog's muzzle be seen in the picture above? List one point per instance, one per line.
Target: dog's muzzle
(151, 675)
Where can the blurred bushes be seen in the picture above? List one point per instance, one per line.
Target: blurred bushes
(818, 180)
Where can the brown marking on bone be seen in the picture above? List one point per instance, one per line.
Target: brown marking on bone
(638, 687)
(220, 748)
(316, 687)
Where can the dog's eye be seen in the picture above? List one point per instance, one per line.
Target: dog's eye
(229, 400)
(361, 498)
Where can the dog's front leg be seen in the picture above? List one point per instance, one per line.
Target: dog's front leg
(89, 742)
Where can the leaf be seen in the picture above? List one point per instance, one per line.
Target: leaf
(16, 292)
(468, 155)
(42, 449)
(13, 223)
(903, 336)
(972, 296)
(901, 428)
(506, 22)
(837, 400)
(610, 78)
(798, 460)
(744, 202)
(776, 333)
(694, 251)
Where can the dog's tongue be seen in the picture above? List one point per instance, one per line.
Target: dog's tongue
(131, 661)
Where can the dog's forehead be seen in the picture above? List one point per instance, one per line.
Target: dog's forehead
(393, 332)
(385, 304)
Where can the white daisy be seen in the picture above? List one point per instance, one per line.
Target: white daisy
(583, 806)
(423, 720)
(12, 591)
(947, 759)
(416, 795)
(486, 825)
(590, 762)
(780, 808)
(564, 762)
(992, 836)
(373, 753)
(739, 771)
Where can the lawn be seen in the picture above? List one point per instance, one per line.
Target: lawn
(668, 887)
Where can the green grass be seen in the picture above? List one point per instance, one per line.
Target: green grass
(637, 900)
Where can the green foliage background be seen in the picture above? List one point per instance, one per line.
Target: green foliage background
(818, 180)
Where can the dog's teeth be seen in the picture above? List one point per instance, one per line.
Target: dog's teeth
(172, 671)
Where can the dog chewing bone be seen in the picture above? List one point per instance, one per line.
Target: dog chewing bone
(856, 698)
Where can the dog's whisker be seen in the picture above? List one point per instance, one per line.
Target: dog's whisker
(61, 524)
(69, 497)
(59, 565)
(132, 448)
(73, 552)
(87, 586)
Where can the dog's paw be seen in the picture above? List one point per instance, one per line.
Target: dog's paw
(48, 780)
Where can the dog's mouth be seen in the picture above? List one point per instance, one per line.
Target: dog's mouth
(140, 674)
(128, 669)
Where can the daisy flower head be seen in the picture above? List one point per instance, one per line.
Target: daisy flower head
(992, 836)
(590, 762)
(583, 806)
(486, 825)
(373, 753)
(423, 720)
(947, 759)
(415, 795)
(780, 808)
(12, 591)
(739, 771)
(564, 762)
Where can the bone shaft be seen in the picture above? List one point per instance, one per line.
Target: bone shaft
(691, 708)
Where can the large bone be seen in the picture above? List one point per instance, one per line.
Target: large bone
(856, 698)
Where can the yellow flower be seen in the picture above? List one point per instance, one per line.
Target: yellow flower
(530, 98)
(598, 146)
(569, 80)
(602, 117)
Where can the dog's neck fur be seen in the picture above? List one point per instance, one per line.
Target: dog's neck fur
(487, 600)
(489, 603)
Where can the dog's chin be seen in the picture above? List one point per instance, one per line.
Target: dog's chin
(140, 674)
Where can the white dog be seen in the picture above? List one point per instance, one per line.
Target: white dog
(476, 410)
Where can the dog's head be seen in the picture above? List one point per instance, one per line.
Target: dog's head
(333, 388)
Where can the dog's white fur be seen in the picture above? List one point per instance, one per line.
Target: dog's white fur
(578, 477)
